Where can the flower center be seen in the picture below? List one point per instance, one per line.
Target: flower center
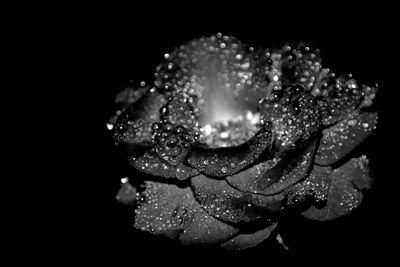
(225, 120)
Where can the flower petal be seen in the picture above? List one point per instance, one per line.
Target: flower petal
(345, 191)
(229, 205)
(340, 96)
(300, 66)
(204, 229)
(133, 126)
(149, 162)
(172, 144)
(172, 211)
(181, 111)
(295, 116)
(213, 62)
(316, 185)
(248, 240)
(127, 194)
(268, 178)
(226, 161)
(165, 209)
(343, 137)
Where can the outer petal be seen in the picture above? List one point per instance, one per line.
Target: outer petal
(339, 96)
(345, 191)
(164, 209)
(244, 241)
(316, 185)
(172, 211)
(127, 193)
(226, 161)
(133, 126)
(230, 205)
(204, 229)
(149, 162)
(343, 137)
(270, 178)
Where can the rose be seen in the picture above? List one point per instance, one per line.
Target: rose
(299, 160)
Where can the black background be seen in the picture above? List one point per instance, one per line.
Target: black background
(91, 55)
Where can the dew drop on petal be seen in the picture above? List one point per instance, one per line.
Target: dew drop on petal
(183, 172)
(224, 169)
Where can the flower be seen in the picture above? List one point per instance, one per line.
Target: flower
(229, 138)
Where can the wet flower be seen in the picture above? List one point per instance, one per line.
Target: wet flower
(229, 138)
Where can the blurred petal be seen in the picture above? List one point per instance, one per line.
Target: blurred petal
(209, 63)
(271, 177)
(244, 241)
(227, 204)
(345, 191)
(343, 137)
(226, 161)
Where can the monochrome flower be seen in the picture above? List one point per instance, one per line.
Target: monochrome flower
(229, 138)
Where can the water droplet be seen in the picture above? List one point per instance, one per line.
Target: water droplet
(352, 122)
(224, 169)
(109, 126)
(182, 172)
